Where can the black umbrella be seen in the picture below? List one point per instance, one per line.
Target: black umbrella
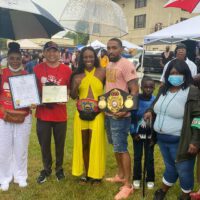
(24, 19)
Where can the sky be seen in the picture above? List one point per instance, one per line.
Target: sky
(53, 6)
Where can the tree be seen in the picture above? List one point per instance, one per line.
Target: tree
(79, 38)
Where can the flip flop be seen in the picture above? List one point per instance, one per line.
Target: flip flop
(115, 179)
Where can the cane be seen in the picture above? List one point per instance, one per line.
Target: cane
(145, 158)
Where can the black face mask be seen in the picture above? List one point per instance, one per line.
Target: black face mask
(115, 59)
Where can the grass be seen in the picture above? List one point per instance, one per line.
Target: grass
(69, 189)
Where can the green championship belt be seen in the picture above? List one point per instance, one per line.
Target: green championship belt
(117, 100)
(196, 123)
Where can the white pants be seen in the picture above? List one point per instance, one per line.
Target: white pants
(14, 139)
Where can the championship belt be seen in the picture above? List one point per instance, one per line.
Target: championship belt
(117, 100)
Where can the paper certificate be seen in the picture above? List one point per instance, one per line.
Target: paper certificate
(24, 90)
(54, 94)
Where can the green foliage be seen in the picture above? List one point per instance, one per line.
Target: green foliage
(79, 38)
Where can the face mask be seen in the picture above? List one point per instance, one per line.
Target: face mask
(15, 70)
(176, 80)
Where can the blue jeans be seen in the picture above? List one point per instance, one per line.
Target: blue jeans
(183, 170)
(117, 132)
(149, 159)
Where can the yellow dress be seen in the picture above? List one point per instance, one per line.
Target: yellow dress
(97, 146)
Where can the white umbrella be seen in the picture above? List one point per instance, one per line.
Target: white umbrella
(22, 19)
(95, 17)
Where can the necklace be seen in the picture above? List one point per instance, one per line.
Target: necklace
(160, 125)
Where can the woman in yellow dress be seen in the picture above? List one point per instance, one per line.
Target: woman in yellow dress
(89, 135)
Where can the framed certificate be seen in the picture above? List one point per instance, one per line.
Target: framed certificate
(24, 90)
(54, 94)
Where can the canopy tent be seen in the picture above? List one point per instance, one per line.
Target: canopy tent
(60, 34)
(97, 44)
(130, 45)
(185, 30)
(27, 44)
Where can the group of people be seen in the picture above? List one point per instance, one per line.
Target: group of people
(171, 119)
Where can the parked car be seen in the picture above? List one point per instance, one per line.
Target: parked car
(151, 62)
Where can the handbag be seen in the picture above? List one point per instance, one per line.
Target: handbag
(88, 109)
(13, 116)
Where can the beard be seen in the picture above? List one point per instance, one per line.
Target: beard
(114, 59)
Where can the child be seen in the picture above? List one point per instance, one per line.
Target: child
(139, 130)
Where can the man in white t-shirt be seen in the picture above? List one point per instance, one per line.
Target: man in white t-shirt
(180, 53)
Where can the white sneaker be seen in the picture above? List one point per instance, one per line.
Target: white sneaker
(4, 187)
(22, 184)
(150, 185)
(136, 184)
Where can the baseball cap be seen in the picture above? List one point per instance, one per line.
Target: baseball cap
(50, 45)
(180, 46)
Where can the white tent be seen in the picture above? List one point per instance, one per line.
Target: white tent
(130, 45)
(97, 44)
(60, 34)
(185, 30)
(28, 44)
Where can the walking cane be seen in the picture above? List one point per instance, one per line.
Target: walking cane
(145, 158)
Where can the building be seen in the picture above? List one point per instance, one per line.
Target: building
(147, 16)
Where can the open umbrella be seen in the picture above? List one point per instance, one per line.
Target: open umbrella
(23, 19)
(95, 17)
(192, 6)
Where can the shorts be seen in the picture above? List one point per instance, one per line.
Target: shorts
(117, 132)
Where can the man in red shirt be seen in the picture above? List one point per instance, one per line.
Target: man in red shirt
(53, 116)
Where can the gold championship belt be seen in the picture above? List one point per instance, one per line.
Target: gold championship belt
(117, 100)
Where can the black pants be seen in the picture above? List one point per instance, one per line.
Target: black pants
(138, 152)
(44, 132)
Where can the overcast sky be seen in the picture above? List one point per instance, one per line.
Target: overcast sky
(55, 7)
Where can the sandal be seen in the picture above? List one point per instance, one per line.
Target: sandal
(115, 179)
(124, 193)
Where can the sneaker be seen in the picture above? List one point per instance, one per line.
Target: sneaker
(136, 184)
(22, 184)
(42, 177)
(124, 193)
(159, 195)
(60, 175)
(150, 185)
(4, 186)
